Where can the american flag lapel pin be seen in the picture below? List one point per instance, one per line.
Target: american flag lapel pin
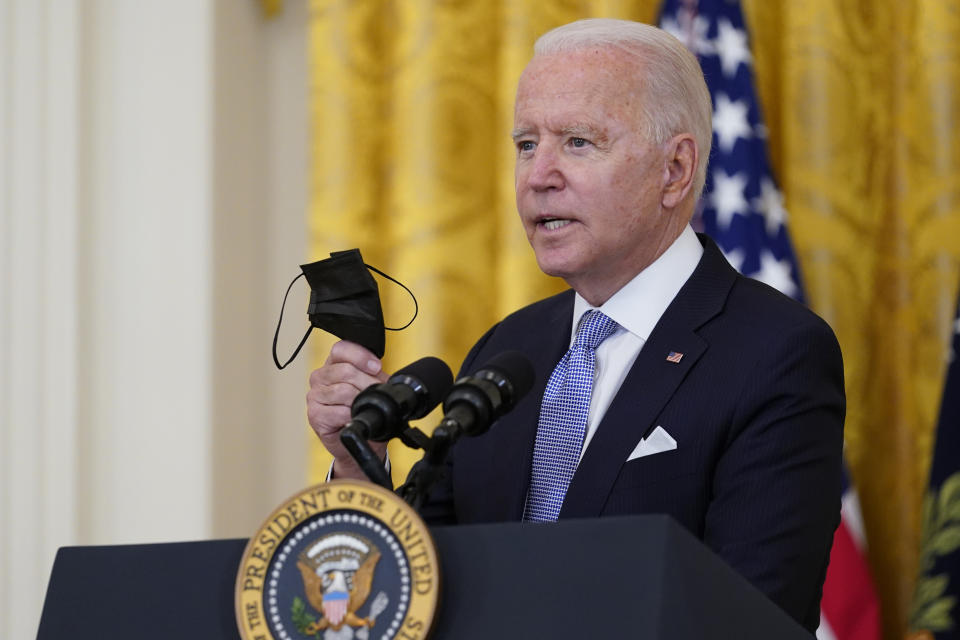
(674, 357)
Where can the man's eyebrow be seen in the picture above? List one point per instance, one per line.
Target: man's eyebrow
(583, 130)
(578, 130)
(520, 133)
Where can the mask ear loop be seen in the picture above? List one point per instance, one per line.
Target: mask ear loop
(416, 307)
(277, 333)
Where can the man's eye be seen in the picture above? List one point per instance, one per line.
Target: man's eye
(579, 142)
(525, 145)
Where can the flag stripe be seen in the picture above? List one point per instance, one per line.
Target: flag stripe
(851, 516)
(824, 632)
(849, 604)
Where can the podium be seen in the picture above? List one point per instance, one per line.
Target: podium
(629, 577)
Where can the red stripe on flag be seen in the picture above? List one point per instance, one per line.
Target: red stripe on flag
(849, 603)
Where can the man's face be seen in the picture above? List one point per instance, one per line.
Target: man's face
(588, 183)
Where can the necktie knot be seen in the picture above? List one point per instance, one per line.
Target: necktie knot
(594, 328)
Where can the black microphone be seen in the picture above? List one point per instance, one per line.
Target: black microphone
(472, 405)
(476, 401)
(380, 412)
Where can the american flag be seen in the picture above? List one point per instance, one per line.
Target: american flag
(742, 210)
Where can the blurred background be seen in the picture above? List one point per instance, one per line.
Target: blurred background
(166, 166)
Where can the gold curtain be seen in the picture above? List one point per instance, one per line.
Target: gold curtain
(271, 8)
(411, 111)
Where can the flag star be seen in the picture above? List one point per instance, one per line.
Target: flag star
(690, 30)
(770, 204)
(735, 257)
(727, 197)
(730, 122)
(731, 46)
(776, 273)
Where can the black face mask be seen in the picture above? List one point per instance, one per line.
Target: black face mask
(344, 301)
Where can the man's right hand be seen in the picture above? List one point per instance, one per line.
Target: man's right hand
(349, 369)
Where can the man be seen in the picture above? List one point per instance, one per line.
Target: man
(708, 396)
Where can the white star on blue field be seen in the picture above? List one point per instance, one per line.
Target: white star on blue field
(742, 208)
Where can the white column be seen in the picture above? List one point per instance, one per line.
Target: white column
(147, 265)
(38, 294)
(152, 205)
(105, 282)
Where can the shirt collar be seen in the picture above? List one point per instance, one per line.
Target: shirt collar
(639, 304)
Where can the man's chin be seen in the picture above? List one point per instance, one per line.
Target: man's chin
(556, 268)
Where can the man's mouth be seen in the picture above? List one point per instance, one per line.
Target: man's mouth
(554, 223)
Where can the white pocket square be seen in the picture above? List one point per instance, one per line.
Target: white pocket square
(657, 442)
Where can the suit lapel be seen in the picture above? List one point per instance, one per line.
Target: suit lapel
(508, 446)
(650, 384)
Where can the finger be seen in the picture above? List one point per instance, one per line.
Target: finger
(341, 393)
(327, 419)
(360, 357)
(342, 373)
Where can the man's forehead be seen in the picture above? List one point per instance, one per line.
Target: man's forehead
(592, 60)
(607, 70)
(575, 91)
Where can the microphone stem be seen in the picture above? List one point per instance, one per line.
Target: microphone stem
(425, 473)
(446, 433)
(368, 461)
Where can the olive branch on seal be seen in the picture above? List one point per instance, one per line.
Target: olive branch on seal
(300, 618)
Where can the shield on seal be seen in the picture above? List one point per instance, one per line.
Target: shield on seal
(335, 606)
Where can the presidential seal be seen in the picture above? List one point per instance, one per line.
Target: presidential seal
(342, 560)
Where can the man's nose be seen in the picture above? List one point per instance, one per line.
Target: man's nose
(545, 171)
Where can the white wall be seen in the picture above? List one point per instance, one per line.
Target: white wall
(152, 202)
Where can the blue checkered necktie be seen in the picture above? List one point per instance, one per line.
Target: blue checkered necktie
(563, 419)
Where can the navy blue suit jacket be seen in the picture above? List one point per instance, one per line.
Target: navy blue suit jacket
(756, 405)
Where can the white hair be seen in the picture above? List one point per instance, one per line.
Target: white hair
(675, 97)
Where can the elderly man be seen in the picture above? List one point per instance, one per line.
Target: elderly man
(665, 381)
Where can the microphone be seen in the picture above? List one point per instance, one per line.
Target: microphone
(472, 405)
(476, 401)
(381, 411)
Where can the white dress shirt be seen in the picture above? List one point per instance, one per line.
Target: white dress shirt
(637, 307)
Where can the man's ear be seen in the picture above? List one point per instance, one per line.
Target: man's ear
(681, 165)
